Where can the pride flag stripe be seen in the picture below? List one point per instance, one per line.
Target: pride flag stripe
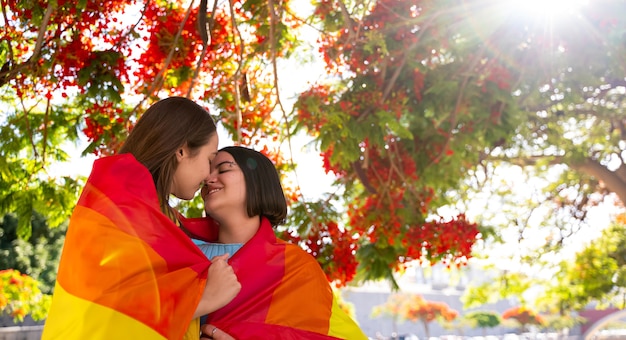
(127, 271)
(284, 292)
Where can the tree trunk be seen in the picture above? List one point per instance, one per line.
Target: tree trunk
(426, 329)
(611, 179)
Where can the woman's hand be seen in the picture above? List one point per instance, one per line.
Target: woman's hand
(221, 287)
(211, 332)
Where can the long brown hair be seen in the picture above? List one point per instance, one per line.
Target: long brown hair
(165, 127)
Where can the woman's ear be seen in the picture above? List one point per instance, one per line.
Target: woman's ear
(180, 153)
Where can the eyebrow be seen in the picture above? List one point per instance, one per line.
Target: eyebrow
(225, 162)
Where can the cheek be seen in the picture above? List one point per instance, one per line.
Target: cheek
(242, 194)
(201, 170)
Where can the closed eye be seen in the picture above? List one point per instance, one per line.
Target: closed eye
(225, 167)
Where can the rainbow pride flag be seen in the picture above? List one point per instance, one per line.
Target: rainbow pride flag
(284, 292)
(127, 271)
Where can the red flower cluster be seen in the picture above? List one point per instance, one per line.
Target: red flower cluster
(335, 249)
(104, 120)
(449, 241)
(523, 315)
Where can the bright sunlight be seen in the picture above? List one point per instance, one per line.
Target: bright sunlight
(553, 9)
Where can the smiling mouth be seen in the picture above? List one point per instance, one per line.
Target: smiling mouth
(213, 191)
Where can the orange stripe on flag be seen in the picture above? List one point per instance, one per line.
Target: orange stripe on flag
(301, 279)
(123, 259)
(117, 270)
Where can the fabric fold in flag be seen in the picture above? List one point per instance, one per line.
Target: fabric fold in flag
(284, 292)
(126, 271)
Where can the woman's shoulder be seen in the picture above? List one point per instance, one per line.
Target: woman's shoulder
(295, 250)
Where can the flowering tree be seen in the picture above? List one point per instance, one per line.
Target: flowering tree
(524, 316)
(20, 296)
(76, 71)
(415, 309)
(391, 308)
(416, 95)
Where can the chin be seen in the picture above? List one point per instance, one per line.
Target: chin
(184, 197)
(214, 215)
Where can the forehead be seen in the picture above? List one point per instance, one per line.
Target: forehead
(223, 156)
(212, 144)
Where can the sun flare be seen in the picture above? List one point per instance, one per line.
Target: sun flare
(549, 8)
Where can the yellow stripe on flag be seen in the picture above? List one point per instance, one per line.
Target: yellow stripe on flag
(342, 326)
(67, 321)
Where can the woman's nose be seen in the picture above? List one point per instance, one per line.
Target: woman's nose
(211, 179)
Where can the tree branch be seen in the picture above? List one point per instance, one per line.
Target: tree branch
(41, 33)
(132, 29)
(10, 69)
(361, 175)
(205, 29)
(611, 179)
(621, 172)
(237, 72)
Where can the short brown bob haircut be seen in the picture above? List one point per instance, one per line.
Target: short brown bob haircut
(264, 193)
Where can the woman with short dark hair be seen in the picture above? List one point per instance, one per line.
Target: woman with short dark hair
(285, 293)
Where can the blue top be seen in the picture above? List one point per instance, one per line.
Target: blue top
(211, 250)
